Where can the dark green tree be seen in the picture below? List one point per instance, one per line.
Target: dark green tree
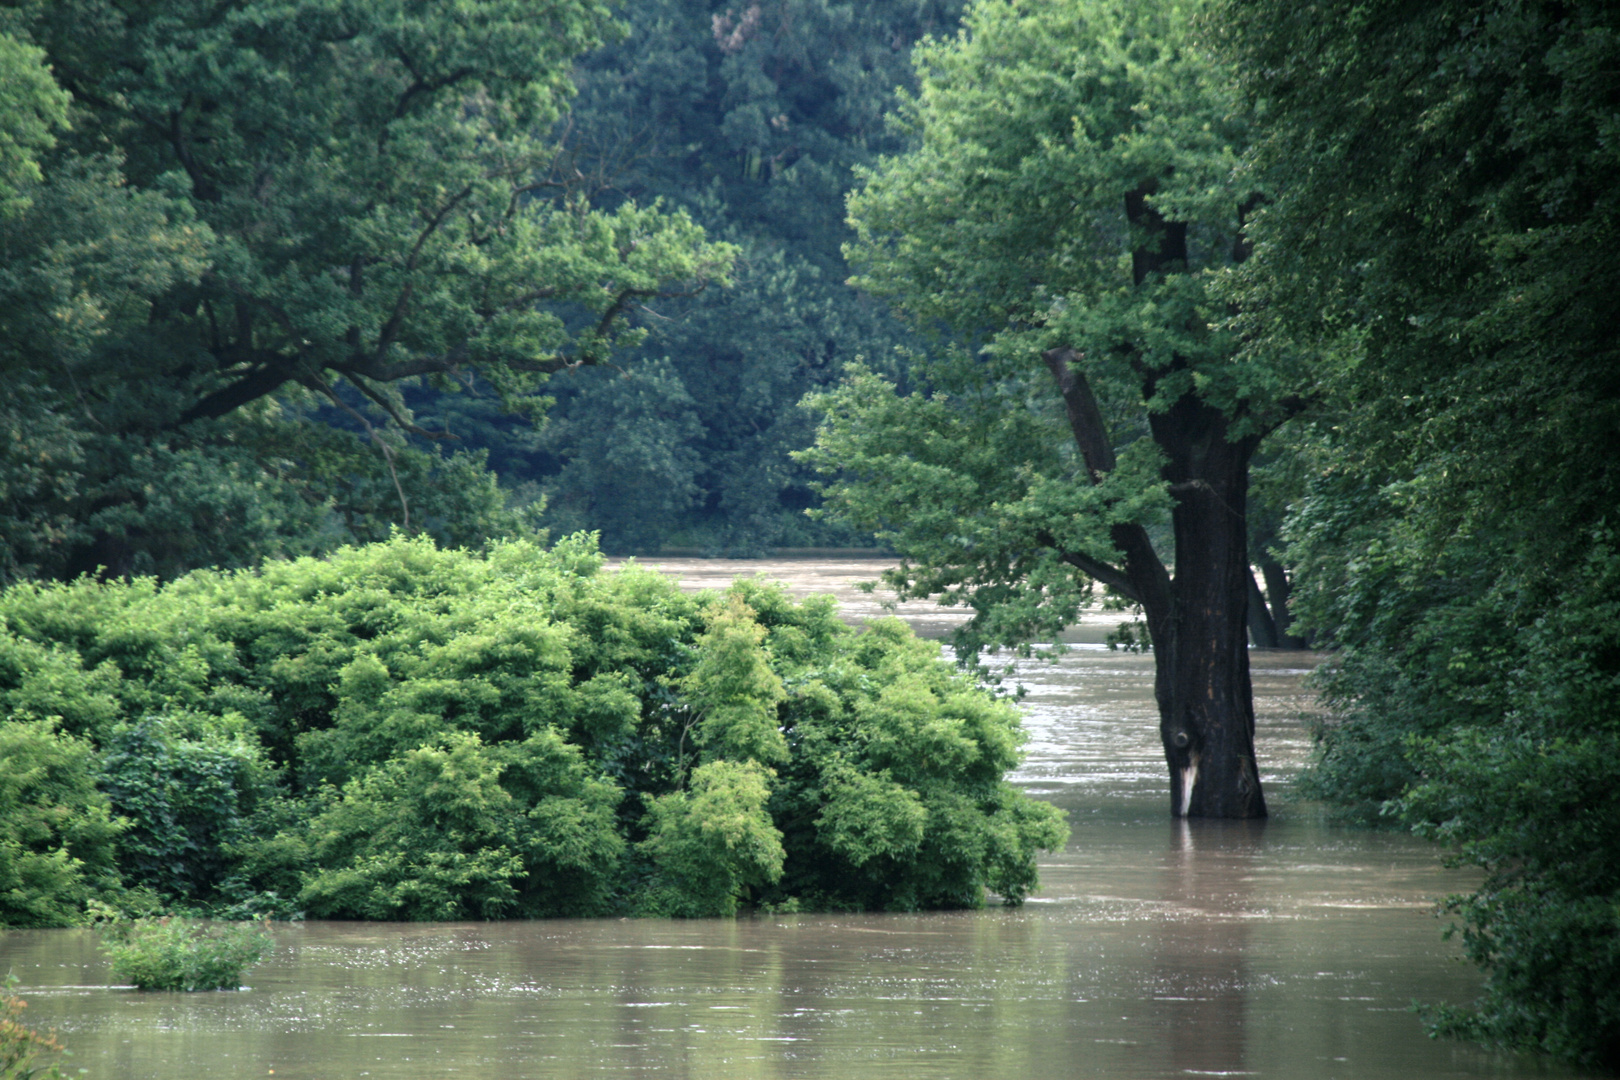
(1441, 239)
(752, 118)
(261, 209)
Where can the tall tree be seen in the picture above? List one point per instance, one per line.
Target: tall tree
(1069, 205)
(361, 194)
(1443, 235)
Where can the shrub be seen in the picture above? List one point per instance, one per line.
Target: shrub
(712, 843)
(404, 732)
(187, 784)
(183, 954)
(20, 1045)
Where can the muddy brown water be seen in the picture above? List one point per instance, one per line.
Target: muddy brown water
(1287, 948)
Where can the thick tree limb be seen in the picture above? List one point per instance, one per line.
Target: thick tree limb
(1085, 417)
(1144, 578)
(266, 378)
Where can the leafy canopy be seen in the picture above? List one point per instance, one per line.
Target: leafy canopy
(262, 210)
(1055, 140)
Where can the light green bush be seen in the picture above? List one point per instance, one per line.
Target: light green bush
(403, 732)
(56, 835)
(183, 954)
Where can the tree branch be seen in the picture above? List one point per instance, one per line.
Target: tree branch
(272, 372)
(393, 413)
(1111, 576)
(1144, 578)
(1085, 417)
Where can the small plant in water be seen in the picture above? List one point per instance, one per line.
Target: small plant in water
(173, 953)
(20, 1045)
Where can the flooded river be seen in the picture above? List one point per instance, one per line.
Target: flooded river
(1286, 948)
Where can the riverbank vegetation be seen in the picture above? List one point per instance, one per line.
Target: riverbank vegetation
(22, 1047)
(281, 279)
(1439, 236)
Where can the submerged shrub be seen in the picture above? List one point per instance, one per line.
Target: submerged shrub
(402, 732)
(713, 842)
(1488, 724)
(182, 954)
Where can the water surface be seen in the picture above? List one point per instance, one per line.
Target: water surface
(1286, 948)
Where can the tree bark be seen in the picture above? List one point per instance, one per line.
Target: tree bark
(1197, 618)
(1200, 638)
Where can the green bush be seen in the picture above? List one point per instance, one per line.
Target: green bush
(188, 785)
(403, 732)
(56, 834)
(1481, 714)
(713, 843)
(182, 954)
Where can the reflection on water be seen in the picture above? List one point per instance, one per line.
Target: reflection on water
(1156, 948)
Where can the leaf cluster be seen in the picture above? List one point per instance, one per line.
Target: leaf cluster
(1438, 242)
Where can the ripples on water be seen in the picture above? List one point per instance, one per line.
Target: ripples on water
(1155, 948)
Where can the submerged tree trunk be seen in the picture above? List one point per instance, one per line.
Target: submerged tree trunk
(1197, 619)
(1200, 644)
(1278, 589)
(1262, 624)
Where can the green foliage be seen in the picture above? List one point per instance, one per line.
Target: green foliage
(264, 220)
(57, 838)
(752, 120)
(404, 732)
(895, 784)
(712, 842)
(432, 834)
(735, 690)
(33, 108)
(20, 1045)
(1032, 124)
(188, 787)
(1063, 151)
(182, 954)
(1440, 240)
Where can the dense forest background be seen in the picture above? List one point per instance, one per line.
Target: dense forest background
(277, 279)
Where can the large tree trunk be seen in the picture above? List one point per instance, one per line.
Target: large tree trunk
(1197, 619)
(1200, 636)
